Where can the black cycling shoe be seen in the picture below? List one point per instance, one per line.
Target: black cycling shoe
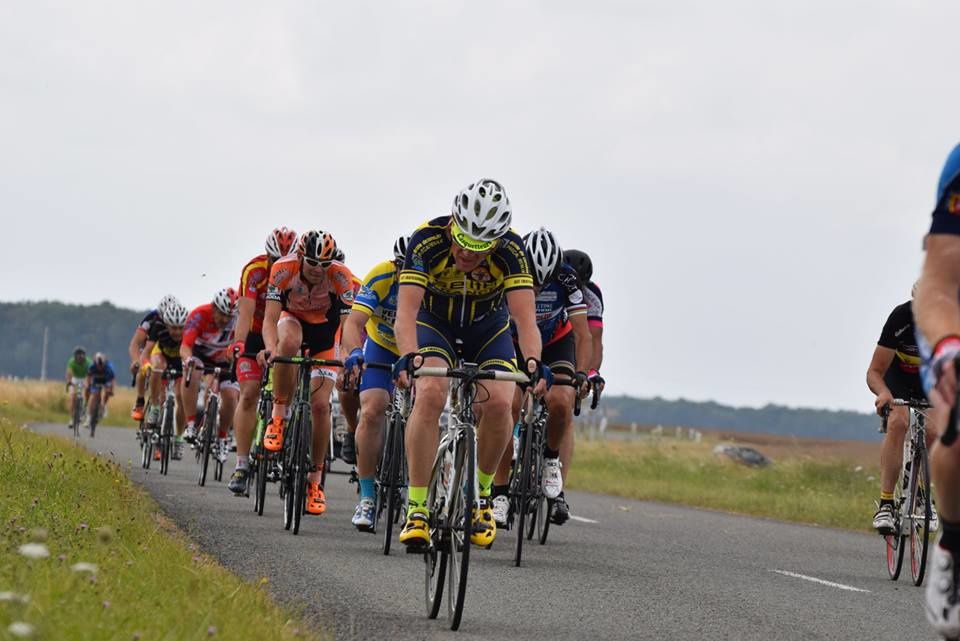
(561, 511)
(238, 482)
(348, 449)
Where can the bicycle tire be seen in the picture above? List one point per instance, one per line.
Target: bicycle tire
(146, 444)
(543, 518)
(919, 500)
(464, 487)
(435, 559)
(301, 436)
(218, 466)
(260, 495)
(94, 417)
(77, 413)
(393, 450)
(526, 472)
(210, 419)
(536, 491)
(166, 437)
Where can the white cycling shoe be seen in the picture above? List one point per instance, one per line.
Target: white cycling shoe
(942, 599)
(501, 507)
(552, 479)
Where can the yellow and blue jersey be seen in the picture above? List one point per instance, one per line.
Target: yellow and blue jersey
(459, 298)
(378, 298)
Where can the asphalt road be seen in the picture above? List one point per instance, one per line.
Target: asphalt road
(624, 570)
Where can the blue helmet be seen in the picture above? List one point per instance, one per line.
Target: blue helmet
(950, 176)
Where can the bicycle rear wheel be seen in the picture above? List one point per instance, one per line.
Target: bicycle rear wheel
(462, 501)
(77, 412)
(166, 437)
(544, 507)
(261, 480)
(920, 514)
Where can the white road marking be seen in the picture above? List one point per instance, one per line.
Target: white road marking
(581, 519)
(814, 579)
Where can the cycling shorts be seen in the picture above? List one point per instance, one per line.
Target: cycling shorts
(903, 385)
(487, 342)
(248, 369)
(377, 378)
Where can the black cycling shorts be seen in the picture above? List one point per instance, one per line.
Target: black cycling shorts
(487, 342)
(560, 356)
(904, 385)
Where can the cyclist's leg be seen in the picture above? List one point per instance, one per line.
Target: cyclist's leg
(245, 417)
(190, 393)
(158, 363)
(375, 389)
(107, 395)
(290, 337)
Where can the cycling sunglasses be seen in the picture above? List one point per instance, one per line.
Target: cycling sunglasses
(315, 262)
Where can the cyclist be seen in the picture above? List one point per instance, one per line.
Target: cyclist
(100, 377)
(307, 294)
(206, 338)
(248, 338)
(77, 367)
(937, 311)
(162, 347)
(139, 358)
(375, 310)
(562, 320)
(583, 265)
(458, 272)
(894, 372)
(349, 403)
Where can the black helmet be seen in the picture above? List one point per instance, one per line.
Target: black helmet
(580, 262)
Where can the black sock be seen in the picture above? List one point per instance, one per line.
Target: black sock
(140, 400)
(886, 502)
(500, 490)
(548, 453)
(950, 539)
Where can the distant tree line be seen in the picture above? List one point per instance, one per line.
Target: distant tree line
(770, 419)
(104, 327)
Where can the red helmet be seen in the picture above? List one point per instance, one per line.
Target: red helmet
(281, 242)
(225, 301)
(317, 246)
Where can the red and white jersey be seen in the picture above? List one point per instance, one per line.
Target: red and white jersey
(208, 341)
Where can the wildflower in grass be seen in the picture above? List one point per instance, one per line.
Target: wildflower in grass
(34, 550)
(20, 630)
(89, 568)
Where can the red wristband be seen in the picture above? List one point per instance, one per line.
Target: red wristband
(593, 373)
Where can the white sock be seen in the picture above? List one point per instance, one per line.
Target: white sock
(242, 463)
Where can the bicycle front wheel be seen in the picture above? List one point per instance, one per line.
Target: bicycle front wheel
(463, 497)
(919, 515)
(210, 419)
(392, 481)
(524, 489)
(435, 558)
(301, 443)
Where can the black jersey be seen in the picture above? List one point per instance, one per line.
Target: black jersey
(898, 335)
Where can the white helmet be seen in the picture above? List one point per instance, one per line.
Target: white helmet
(165, 303)
(176, 315)
(482, 211)
(545, 255)
(225, 301)
(400, 249)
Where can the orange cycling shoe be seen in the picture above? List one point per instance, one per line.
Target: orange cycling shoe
(316, 499)
(273, 438)
(156, 454)
(137, 413)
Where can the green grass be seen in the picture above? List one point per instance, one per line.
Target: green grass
(827, 493)
(150, 583)
(25, 401)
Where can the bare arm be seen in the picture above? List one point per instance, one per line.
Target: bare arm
(136, 345)
(409, 299)
(583, 341)
(882, 357)
(520, 302)
(246, 308)
(353, 330)
(596, 332)
(937, 306)
(271, 315)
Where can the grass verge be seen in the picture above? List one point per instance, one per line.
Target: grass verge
(820, 492)
(24, 401)
(116, 568)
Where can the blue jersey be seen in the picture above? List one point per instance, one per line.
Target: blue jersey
(556, 302)
(102, 375)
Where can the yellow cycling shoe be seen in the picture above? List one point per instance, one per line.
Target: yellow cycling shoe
(416, 532)
(484, 527)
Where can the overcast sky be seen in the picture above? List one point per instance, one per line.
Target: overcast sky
(753, 179)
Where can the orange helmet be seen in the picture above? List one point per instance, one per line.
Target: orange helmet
(317, 246)
(281, 242)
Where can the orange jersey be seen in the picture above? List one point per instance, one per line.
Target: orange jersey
(312, 303)
(253, 284)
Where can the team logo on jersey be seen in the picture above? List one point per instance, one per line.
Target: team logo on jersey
(481, 275)
(245, 366)
(953, 204)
